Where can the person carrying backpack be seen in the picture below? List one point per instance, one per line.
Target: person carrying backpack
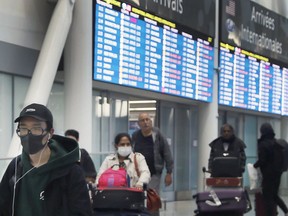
(271, 175)
(123, 161)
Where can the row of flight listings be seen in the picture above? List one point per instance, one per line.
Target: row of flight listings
(133, 50)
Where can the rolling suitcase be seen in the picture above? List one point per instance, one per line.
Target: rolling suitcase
(260, 205)
(229, 200)
(107, 212)
(119, 198)
(226, 166)
(224, 182)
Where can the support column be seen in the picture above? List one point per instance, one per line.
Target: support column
(284, 128)
(78, 74)
(208, 113)
(48, 61)
(208, 131)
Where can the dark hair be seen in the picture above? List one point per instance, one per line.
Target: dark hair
(267, 129)
(119, 136)
(72, 132)
(226, 125)
(49, 125)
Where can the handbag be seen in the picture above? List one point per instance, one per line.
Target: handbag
(113, 178)
(153, 199)
(255, 177)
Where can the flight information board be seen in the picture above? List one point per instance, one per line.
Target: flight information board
(250, 81)
(138, 49)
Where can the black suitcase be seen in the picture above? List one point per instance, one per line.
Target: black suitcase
(119, 198)
(222, 200)
(226, 166)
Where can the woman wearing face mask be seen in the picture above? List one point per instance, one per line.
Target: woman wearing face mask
(124, 157)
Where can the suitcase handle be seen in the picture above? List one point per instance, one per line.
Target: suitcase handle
(215, 198)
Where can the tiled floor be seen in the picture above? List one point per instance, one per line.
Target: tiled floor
(186, 208)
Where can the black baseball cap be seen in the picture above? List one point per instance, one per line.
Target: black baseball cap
(37, 111)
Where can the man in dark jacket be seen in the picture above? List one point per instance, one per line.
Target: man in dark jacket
(86, 161)
(228, 145)
(271, 176)
(149, 141)
(46, 178)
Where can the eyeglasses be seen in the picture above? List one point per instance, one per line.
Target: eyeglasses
(35, 131)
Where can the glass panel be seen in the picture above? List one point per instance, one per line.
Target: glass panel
(21, 86)
(179, 122)
(119, 118)
(250, 135)
(167, 128)
(6, 123)
(182, 154)
(193, 160)
(110, 116)
(101, 131)
(250, 139)
(233, 120)
(56, 106)
(221, 120)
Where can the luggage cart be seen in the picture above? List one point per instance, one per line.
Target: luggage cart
(222, 196)
(119, 202)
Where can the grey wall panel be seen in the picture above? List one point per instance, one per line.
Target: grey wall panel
(17, 60)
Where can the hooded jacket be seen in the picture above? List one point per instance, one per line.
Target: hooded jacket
(64, 189)
(265, 150)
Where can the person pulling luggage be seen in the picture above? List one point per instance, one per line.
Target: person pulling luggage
(227, 144)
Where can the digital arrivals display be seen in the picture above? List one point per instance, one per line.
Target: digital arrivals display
(253, 58)
(138, 49)
(250, 81)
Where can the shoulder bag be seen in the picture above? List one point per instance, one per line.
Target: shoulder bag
(153, 199)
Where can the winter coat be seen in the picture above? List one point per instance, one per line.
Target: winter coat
(65, 193)
(162, 151)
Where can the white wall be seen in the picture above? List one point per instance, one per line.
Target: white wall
(24, 22)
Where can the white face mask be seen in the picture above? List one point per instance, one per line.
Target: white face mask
(124, 151)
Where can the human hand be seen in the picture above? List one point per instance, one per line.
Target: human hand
(168, 179)
(90, 179)
(139, 187)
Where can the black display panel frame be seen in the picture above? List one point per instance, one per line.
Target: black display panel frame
(177, 81)
(251, 77)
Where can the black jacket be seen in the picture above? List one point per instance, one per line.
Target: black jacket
(265, 155)
(236, 148)
(87, 164)
(66, 192)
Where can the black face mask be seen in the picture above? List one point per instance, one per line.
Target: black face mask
(32, 144)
